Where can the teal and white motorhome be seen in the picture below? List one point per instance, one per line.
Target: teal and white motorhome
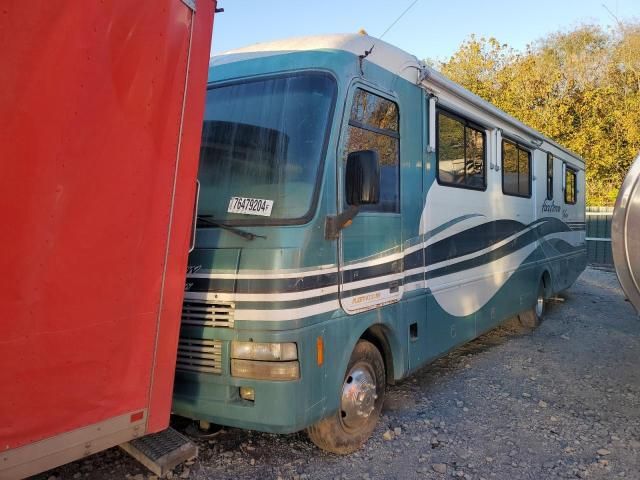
(359, 216)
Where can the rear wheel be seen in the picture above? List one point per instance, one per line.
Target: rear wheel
(361, 399)
(533, 317)
(539, 307)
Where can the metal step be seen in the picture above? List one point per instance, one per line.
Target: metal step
(161, 452)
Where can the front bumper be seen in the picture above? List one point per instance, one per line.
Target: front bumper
(279, 406)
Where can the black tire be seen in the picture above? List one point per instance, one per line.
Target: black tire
(533, 317)
(344, 432)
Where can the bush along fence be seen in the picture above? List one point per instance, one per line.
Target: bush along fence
(599, 235)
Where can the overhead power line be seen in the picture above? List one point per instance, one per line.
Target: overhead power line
(399, 17)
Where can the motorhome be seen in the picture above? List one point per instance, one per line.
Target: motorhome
(360, 215)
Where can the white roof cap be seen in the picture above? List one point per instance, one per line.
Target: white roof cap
(383, 54)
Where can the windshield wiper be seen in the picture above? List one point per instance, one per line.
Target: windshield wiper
(237, 231)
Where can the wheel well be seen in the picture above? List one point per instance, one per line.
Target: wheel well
(546, 283)
(377, 336)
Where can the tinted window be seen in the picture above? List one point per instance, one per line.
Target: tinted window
(570, 185)
(264, 139)
(461, 152)
(549, 176)
(373, 125)
(372, 110)
(516, 169)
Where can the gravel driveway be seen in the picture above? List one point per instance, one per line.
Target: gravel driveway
(560, 401)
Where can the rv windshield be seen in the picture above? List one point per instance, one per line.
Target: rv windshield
(262, 147)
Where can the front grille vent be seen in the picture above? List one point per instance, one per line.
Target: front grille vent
(207, 313)
(198, 355)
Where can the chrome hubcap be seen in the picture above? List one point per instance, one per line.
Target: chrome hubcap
(540, 306)
(358, 396)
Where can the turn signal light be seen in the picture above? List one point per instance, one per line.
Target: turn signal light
(319, 351)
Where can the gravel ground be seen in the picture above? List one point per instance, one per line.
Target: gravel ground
(562, 401)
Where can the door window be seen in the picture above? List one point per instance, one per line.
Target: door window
(374, 125)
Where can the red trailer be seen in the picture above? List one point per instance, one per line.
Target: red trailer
(101, 106)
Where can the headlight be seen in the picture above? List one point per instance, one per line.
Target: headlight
(265, 361)
(270, 352)
(265, 370)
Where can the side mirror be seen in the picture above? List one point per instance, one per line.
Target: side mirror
(362, 187)
(362, 178)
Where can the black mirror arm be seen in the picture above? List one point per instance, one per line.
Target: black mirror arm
(335, 223)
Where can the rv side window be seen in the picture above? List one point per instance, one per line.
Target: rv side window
(374, 125)
(460, 152)
(570, 185)
(549, 176)
(516, 169)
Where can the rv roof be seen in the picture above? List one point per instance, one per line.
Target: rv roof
(386, 56)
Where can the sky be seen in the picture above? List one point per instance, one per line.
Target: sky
(430, 29)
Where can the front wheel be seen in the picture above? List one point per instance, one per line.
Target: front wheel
(361, 399)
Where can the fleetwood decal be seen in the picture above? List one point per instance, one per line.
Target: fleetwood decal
(550, 207)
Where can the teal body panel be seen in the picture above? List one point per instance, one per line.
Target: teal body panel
(294, 259)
